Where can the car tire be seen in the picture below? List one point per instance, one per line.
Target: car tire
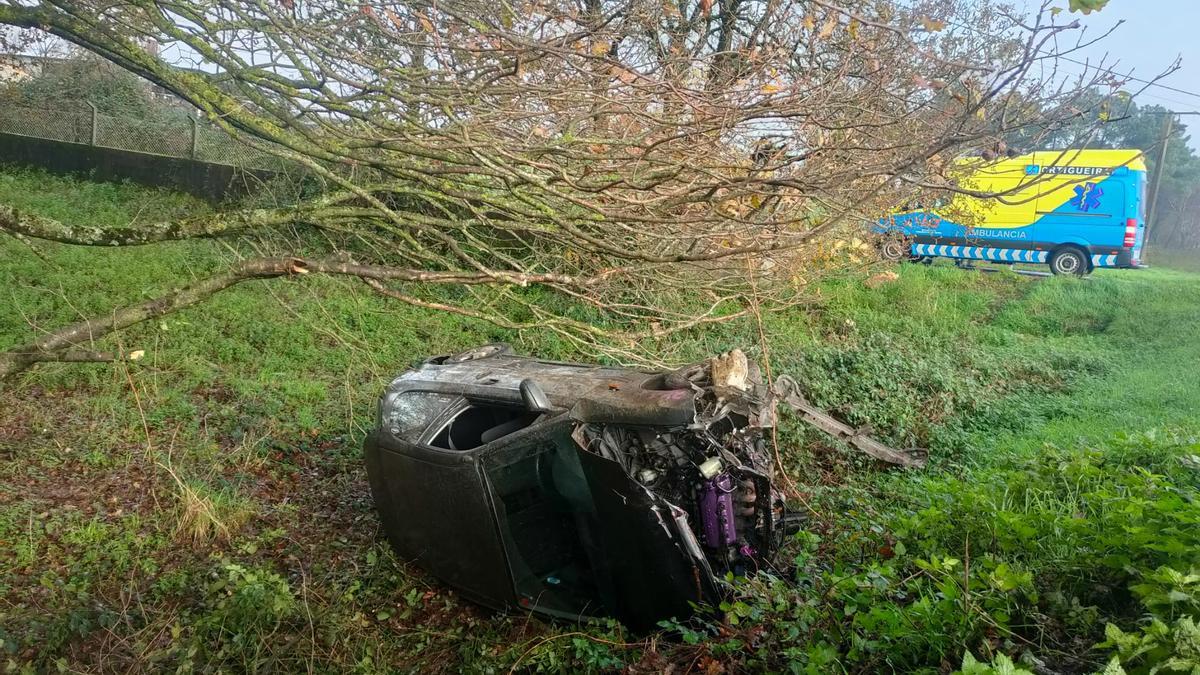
(895, 248)
(481, 352)
(1069, 261)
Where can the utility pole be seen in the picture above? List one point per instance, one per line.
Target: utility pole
(1159, 167)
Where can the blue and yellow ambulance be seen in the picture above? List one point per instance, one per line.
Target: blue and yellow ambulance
(1074, 210)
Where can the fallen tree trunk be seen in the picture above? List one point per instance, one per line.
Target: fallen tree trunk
(29, 224)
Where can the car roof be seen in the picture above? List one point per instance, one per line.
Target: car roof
(592, 393)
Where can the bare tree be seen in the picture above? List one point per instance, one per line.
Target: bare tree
(656, 162)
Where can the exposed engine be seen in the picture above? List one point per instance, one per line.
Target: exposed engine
(717, 469)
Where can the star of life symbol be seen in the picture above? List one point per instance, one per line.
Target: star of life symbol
(1087, 197)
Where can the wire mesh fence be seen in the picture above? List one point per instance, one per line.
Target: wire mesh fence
(58, 125)
(180, 136)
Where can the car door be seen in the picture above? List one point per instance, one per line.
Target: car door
(433, 503)
(584, 539)
(547, 521)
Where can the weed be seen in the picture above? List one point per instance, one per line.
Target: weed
(205, 513)
(242, 610)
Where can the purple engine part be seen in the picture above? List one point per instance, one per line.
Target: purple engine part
(716, 512)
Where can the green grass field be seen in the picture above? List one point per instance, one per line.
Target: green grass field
(205, 508)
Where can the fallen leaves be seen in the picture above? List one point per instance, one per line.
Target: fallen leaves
(426, 24)
(831, 22)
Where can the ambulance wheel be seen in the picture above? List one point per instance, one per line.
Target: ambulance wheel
(1069, 260)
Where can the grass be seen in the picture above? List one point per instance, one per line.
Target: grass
(1188, 261)
(84, 201)
(206, 508)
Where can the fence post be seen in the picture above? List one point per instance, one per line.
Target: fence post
(194, 135)
(95, 116)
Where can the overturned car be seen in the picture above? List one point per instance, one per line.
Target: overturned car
(583, 491)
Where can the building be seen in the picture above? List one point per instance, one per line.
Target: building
(18, 67)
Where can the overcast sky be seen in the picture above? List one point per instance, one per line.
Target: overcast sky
(1153, 34)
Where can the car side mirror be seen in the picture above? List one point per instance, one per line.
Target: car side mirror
(534, 397)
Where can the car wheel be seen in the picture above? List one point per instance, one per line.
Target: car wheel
(488, 350)
(894, 249)
(1069, 260)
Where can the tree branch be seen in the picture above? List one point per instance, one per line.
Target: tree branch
(615, 160)
(32, 225)
(80, 356)
(20, 358)
(54, 346)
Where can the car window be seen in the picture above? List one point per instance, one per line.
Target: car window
(408, 413)
(482, 423)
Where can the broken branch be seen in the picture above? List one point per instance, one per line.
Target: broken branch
(787, 391)
(49, 347)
